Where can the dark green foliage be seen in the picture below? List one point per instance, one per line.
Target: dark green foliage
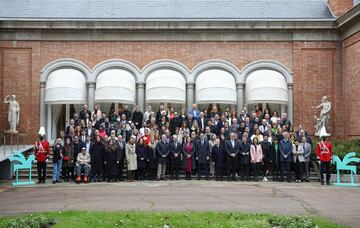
(29, 221)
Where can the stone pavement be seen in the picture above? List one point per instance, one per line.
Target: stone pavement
(339, 204)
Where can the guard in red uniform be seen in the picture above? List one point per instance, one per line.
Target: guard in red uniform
(324, 154)
(42, 153)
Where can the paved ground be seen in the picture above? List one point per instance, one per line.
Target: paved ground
(337, 203)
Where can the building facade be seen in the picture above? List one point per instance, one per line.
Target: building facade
(281, 54)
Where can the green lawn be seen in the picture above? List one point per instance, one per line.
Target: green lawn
(88, 219)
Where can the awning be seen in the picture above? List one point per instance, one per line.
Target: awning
(266, 86)
(115, 85)
(165, 86)
(215, 86)
(65, 86)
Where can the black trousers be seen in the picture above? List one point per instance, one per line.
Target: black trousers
(66, 173)
(151, 173)
(203, 170)
(121, 169)
(299, 170)
(245, 171)
(265, 167)
(219, 173)
(41, 170)
(286, 166)
(325, 168)
(131, 175)
(175, 163)
(275, 171)
(231, 171)
(141, 173)
(256, 170)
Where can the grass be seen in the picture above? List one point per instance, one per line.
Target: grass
(91, 219)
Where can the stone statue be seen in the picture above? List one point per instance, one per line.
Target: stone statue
(14, 113)
(323, 120)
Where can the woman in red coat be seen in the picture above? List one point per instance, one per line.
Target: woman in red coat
(324, 154)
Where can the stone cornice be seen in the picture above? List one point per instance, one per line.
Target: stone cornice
(167, 25)
(349, 16)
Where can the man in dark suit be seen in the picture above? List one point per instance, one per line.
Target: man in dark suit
(218, 158)
(202, 155)
(266, 150)
(244, 157)
(202, 122)
(137, 117)
(232, 148)
(175, 157)
(120, 145)
(90, 131)
(162, 151)
(83, 112)
(285, 156)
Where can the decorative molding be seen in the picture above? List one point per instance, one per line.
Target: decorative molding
(65, 63)
(214, 64)
(266, 64)
(115, 64)
(164, 64)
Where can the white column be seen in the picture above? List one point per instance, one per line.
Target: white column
(49, 123)
(42, 105)
(190, 100)
(91, 95)
(67, 115)
(140, 95)
(282, 109)
(290, 104)
(240, 96)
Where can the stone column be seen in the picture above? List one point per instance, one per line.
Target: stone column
(91, 95)
(290, 104)
(42, 104)
(140, 95)
(282, 109)
(240, 96)
(49, 123)
(190, 98)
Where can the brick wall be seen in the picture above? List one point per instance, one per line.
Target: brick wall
(339, 7)
(351, 47)
(316, 67)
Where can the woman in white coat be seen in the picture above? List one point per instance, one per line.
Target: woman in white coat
(131, 158)
(298, 156)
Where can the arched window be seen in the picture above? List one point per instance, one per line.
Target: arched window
(165, 85)
(115, 85)
(266, 86)
(65, 86)
(215, 86)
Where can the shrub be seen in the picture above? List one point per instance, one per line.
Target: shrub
(29, 221)
(290, 221)
(341, 148)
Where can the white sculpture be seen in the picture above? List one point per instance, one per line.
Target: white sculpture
(324, 117)
(14, 113)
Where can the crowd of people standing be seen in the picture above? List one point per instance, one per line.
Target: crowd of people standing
(97, 146)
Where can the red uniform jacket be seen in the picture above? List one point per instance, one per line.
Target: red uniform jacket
(324, 151)
(42, 150)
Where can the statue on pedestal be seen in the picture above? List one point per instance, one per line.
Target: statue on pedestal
(323, 120)
(13, 113)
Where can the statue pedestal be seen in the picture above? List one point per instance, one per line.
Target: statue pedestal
(11, 132)
(322, 132)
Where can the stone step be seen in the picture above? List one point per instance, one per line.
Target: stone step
(49, 169)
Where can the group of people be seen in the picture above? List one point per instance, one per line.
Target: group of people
(96, 146)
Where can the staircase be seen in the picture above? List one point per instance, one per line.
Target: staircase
(314, 172)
